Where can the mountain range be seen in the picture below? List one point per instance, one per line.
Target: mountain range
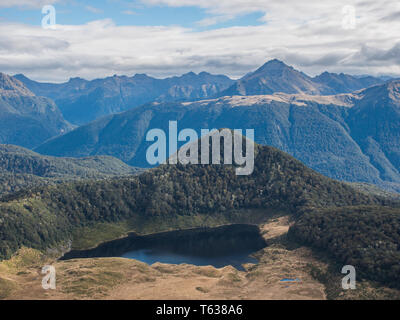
(350, 137)
(82, 101)
(276, 76)
(330, 122)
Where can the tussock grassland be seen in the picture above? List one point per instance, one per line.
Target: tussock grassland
(119, 278)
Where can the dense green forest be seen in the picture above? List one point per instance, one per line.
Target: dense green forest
(367, 237)
(21, 168)
(45, 216)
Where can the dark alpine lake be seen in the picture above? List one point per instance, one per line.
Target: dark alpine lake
(219, 247)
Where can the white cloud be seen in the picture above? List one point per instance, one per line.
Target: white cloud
(309, 37)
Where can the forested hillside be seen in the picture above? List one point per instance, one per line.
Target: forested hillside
(46, 216)
(366, 237)
(21, 168)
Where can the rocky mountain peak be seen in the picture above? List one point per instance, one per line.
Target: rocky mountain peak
(10, 87)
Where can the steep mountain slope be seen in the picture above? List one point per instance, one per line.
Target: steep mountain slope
(82, 101)
(374, 123)
(168, 192)
(21, 168)
(344, 83)
(323, 132)
(26, 119)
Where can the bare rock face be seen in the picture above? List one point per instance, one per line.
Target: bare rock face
(10, 87)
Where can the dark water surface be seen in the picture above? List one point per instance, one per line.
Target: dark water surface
(219, 247)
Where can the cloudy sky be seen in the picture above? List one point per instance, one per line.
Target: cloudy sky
(93, 39)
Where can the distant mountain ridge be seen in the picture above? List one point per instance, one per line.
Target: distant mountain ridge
(26, 119)
(350, 137)
(344, 83)
(82, 101)
(275, 76)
